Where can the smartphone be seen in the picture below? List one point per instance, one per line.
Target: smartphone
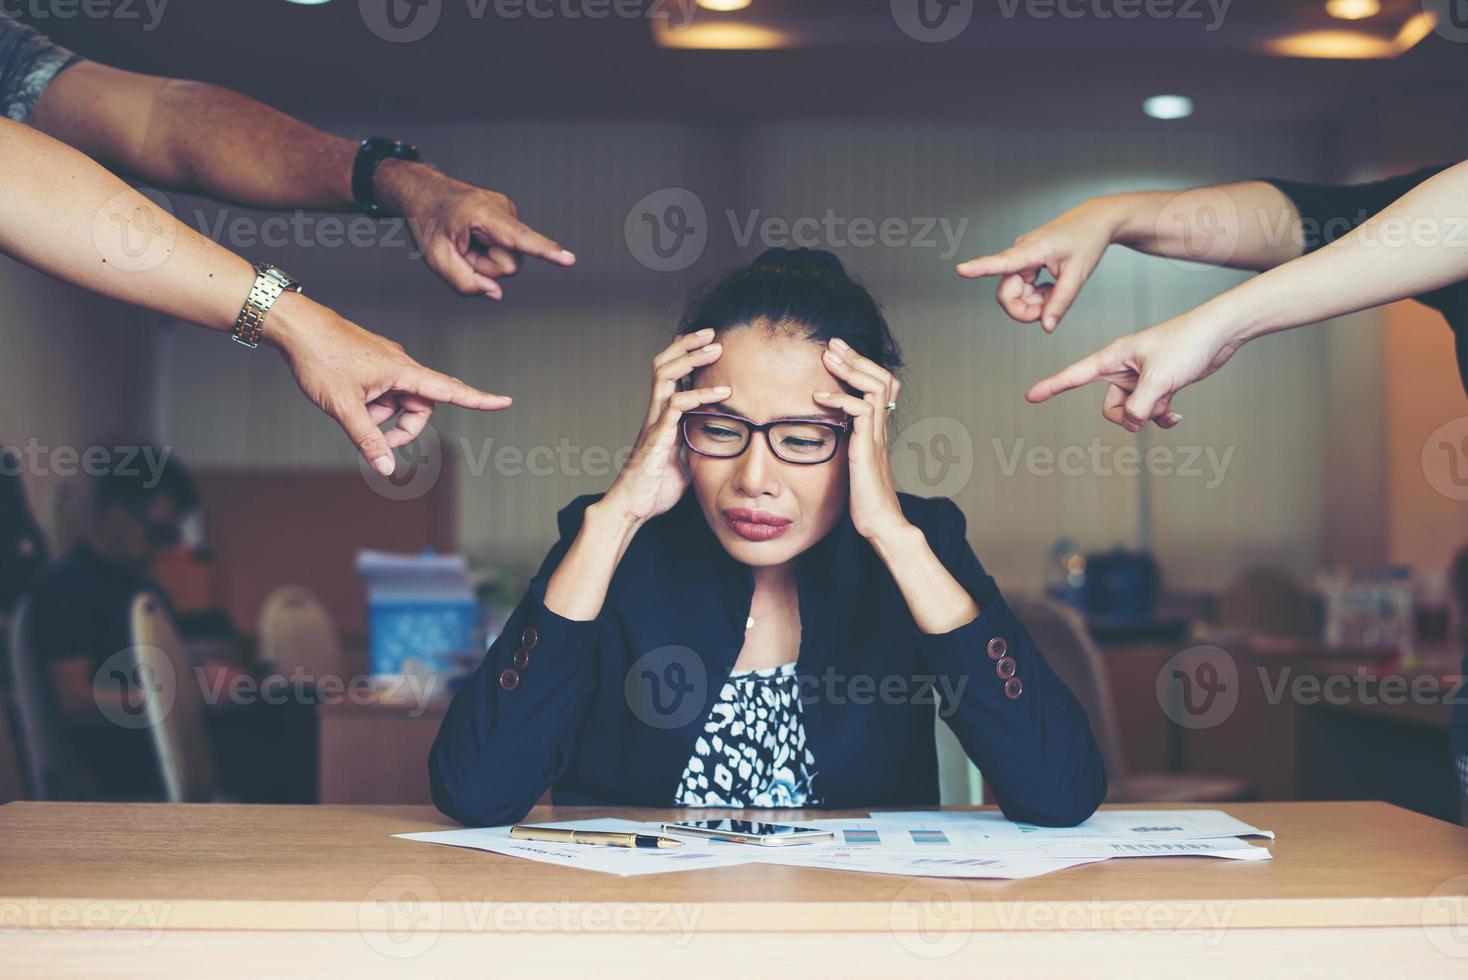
(751, 832)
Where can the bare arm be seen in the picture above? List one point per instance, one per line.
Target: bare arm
(62, 213)
(200, 137)
(1417, 244)
(1249, 225)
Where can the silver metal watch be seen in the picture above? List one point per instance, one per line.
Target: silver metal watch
(270, 282)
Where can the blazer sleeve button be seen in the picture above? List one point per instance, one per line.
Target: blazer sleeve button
(1013, 688)
(521, 659)
(998, 647)
(509, 679)
(530, 637)
(1005, 668)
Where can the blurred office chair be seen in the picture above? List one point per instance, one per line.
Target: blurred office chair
(296, 631)
(1060, 634)
(43, 751)
(172, 703)
(1269, 602)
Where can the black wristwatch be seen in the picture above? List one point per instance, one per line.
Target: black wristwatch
(373, 151)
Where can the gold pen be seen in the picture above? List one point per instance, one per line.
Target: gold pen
(606, 838)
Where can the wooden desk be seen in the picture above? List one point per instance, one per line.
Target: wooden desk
(96, 889)
(376, 751)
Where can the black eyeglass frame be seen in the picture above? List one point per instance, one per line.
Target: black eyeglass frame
(840, 426)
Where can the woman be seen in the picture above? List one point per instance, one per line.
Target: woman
(752, 615)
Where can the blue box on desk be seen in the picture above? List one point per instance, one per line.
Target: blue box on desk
(419, 637)
(421, 615)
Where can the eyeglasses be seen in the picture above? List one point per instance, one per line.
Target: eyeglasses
(800, 441)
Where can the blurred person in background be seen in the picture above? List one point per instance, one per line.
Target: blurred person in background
(81, 619)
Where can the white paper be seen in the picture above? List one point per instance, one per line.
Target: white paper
(929, 865)
(1107, 825)
(957, 834)
(937, 844)
(693, 856)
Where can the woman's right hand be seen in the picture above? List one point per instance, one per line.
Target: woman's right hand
(1068, 248)
(656, 476)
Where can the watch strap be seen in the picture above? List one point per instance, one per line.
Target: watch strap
(270, 282)
(370, 154)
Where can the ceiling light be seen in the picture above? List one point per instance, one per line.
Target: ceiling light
(1354, 44)
(309, 3)
(1168, 107)
(723, 36)
(1353, 9)
(723, 6)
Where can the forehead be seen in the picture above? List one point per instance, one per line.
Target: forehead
(773, 373)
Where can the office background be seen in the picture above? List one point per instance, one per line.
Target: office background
(1306, 452)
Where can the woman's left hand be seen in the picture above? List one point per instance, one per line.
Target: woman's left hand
(874, 507)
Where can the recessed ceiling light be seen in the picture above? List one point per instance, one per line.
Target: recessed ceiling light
(309, 3)
(1354, 44)
(723, 6)
(1353, 9)
(720, 36)
(1168, 107)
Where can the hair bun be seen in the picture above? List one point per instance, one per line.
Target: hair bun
(801, 260)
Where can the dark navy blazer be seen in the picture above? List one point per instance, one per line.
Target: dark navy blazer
(606, 711)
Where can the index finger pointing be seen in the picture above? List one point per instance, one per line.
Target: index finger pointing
(1080, 373)
(1010, 260)
(451, 391)
(532, 242)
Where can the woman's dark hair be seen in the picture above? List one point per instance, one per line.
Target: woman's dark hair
(802, 289)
